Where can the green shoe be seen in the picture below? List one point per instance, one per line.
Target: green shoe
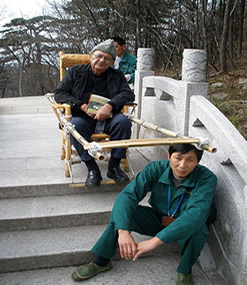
(184, 279)
(89, 270)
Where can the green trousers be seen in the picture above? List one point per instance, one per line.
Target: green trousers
(146, 221)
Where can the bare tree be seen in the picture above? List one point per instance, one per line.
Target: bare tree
(241, 25)
(24, 44)
(30, 47)
(224, 39)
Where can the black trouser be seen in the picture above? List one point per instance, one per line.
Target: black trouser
(118, 127)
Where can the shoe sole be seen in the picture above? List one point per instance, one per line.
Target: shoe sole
(93, 274)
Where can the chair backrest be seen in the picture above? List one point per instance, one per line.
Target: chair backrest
(68, 60)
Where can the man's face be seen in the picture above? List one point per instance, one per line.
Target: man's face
(100, 61)
(119, 49)
(183, 164)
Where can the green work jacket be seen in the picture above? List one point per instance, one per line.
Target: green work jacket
(128, 65)
(199, 189)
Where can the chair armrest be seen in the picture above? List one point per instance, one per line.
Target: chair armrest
(130, 103)
(127, 105)
(63, 106)
(55, 105)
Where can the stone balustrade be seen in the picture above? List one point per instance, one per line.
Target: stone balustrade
(182, 106)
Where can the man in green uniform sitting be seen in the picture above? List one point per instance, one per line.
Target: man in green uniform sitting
(181, 197)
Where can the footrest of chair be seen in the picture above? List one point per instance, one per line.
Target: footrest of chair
(104, 182)
(98, 137)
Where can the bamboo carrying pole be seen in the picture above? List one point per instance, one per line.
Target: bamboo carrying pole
(169, 133)
(97, 153)
(144, 142)
(68, 127)
(95, 149)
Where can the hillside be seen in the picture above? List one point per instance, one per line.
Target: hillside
(228, 92)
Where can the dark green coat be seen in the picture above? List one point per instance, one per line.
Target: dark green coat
(199, 189)
(128, 66)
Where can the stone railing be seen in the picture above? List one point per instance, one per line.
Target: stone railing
(182, 106)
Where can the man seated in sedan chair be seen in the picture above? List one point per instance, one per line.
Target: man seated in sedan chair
(98, 77)
(180, 210)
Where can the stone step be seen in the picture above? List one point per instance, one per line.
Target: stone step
(25, 250)
(56, 211)
(62, 247)
(29, 176)
(147, 271)
(25, 191)
(34, 249)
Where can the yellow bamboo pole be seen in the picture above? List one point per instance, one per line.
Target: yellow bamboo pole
(87, 145)
(155, 127)
(67, 126)
(96, 149)
(144, 142)
(169, 133)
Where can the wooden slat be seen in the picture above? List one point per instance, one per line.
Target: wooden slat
(97, 137)
(68, 60)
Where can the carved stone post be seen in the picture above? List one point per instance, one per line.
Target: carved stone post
(145, 58)
(194, 65)
(194, 77)
(144, 68)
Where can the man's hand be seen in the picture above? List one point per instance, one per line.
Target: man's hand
(103, 113)
(84, 109)
(146, 246)
(127, 244)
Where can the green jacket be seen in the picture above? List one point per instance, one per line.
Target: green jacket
(199, 189)
(128, 65)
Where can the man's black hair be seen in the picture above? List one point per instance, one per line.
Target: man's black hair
(119, 40)
(184, 148)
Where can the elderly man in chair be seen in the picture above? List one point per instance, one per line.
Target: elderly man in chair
(98, 77)
(180, 210)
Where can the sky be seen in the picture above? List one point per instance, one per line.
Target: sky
(10, 9)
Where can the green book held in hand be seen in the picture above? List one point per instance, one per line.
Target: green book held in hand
(96, 102)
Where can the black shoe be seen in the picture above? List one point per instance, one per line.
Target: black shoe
(117, 174)
(93, 178)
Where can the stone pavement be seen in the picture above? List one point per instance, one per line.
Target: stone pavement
(47, 223)
(30, 145)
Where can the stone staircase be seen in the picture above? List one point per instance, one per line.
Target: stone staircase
(49, 224)
(50, 231)
(48, 235)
